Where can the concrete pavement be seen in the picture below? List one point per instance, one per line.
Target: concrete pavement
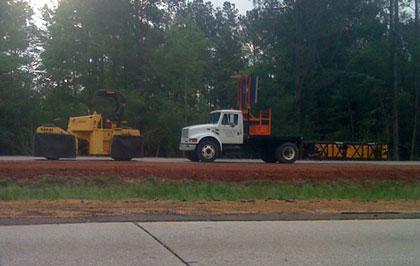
(294, 243)
(378, 242)
(81, 244)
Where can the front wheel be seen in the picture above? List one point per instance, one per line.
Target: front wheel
(287, 153)
(207, 151)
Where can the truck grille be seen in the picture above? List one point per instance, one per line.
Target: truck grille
(185, 133)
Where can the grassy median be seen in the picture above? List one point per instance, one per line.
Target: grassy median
(115, 188)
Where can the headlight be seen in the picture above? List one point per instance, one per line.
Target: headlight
(185, 133)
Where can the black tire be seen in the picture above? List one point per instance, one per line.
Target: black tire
(268, 156)
(54, 146)
(124, 148)
(122, 158)
(287, 153)
(191, 155)
(207, 151)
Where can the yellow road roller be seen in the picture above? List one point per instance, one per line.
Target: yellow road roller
(91, 135)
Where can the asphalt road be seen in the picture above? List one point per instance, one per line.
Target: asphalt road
(378, 242)
(183, 160)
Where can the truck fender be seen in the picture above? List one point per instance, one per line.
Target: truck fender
(214, 138)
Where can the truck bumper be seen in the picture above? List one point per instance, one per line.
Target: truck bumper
(187, 147)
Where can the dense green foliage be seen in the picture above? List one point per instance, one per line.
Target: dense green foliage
(326, 68)
(113, 189)
(18, 101)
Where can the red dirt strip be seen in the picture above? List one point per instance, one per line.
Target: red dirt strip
(228, 172)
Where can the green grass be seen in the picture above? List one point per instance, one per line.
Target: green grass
(114, 188)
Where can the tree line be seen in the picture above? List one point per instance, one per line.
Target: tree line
(329, 70)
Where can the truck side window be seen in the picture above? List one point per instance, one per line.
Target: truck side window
(235, 119)
(225, 120)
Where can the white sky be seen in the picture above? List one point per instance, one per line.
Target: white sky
(242, 5)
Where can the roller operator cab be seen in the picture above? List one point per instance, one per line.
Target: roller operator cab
(224, 133)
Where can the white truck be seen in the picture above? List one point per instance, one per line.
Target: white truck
(224, 133)
(233, 131)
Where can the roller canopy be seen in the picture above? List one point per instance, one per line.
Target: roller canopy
(120, 104)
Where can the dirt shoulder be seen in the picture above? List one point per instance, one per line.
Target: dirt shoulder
(88, 208)
(227, 172)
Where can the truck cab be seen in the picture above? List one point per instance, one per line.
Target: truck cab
(204, 142)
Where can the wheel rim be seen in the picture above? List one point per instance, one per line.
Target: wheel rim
(289, 153)
(208, 151)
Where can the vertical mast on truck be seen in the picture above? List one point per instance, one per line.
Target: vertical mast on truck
(247, 95)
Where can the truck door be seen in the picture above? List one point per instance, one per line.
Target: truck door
(230, 129)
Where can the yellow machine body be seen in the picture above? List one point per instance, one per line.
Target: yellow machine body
(51, 130)
(90, 135)
(91, 129)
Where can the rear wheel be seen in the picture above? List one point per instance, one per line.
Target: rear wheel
(268, 156)
(191, 155)
(207, 151)
(287, 153)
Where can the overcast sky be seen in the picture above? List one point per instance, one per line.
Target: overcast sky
(242, 5)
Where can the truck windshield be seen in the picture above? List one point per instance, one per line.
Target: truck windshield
(214, 118)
